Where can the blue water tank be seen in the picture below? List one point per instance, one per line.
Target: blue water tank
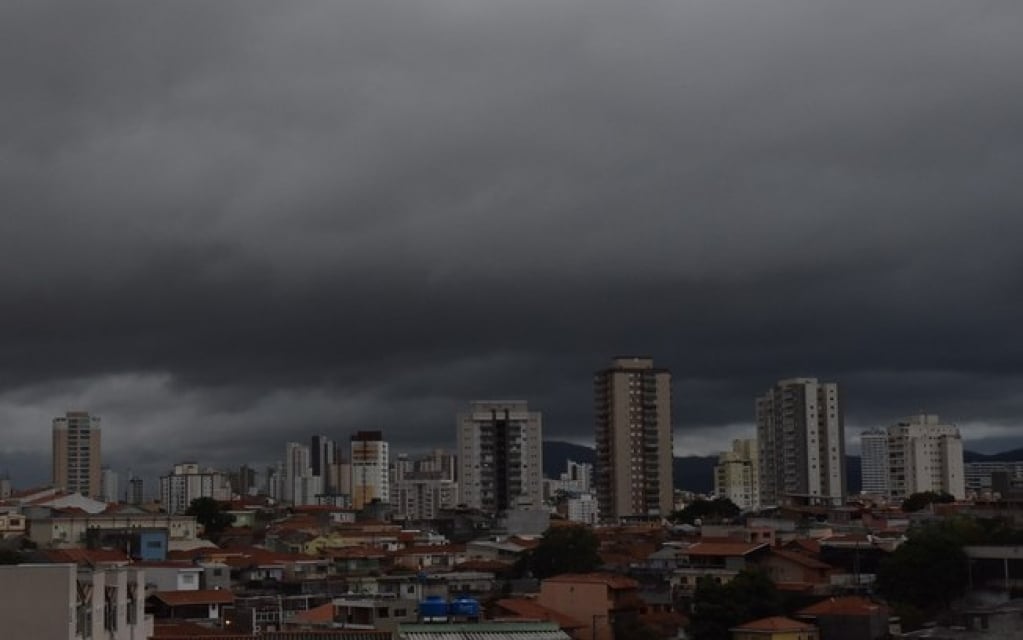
(467, 607)
(433, 607)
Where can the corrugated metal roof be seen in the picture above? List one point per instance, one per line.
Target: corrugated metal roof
(483, 631)
(484, 635)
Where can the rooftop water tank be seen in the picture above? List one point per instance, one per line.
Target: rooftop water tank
(465, 607)
(433, 607)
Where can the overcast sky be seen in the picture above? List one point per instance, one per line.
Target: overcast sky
(230, 225)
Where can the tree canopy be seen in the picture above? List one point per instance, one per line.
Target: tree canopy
(571, 549)
(210, 515)
(714, 510)
(719, 607)
(918, 501)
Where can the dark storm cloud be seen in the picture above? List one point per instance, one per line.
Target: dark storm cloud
(242, 223)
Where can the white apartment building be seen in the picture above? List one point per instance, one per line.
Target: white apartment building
(109, 485)
(63, 601)
(422, 494)
(370, 456)
(874, 469)
(925, 455)
(801, 442)
(500, 456)
(735, 475)
(187, 482)
(584, 508)
(299, 485)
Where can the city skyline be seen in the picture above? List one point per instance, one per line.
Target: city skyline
(220, 247)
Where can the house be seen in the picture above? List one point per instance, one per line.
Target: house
(530, 609)
(848, 618)
(368, 613)
(199, 604)
(598, 599)
(719, 560)
(775, 628)
(790, 567)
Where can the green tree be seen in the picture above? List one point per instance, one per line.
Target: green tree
(714, 510)
(918, 501)
(210, 515)
(930, 569)
(717, 608)
(564, 550)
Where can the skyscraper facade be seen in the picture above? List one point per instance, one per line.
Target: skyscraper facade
(369, 463)
(925, 455)
(77, 460)
(634, 440)
(801, 442)
(500, 456)
(874, 462)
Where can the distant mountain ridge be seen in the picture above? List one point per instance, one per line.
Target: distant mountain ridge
(696, 473)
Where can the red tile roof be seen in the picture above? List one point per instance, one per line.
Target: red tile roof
(323, 614)
(843, 606)
(530, 609)
(775, 623)
(611, 580)
(201, 596)
(86, 556)
(723, 548)
(800, 558)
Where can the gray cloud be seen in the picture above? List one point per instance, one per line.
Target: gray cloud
(242, 223)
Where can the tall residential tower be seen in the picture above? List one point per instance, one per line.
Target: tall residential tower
(77, 459)
(633, 470)
(500, 456)
(801, 443)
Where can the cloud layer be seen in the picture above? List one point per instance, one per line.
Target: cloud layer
(229, 225)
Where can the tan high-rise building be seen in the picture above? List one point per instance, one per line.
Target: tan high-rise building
(735, 475)
(77, 463)
(925, 455)
(633, 471)
(370, 459)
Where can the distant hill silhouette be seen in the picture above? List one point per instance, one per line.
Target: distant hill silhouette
(692, 473)
(1005, 456)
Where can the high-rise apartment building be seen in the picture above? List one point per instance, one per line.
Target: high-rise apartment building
(874, 462)
(634, 440)
(500, 456)
(735, 475)
(925, 455)
(187, 482)
(369, 464)
(108, 485)
(77, 460)
(298, 484)
(801, 442)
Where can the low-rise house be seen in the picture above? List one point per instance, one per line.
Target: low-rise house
(598, 598)
(172, 576)
(719, 561)
(72, 528)
(200, 604)
(379, 613)
(360, 560)
(530, 609)
(430, 557)
(848, 618)
(793, 568)
(775, 628)
(12, 524)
